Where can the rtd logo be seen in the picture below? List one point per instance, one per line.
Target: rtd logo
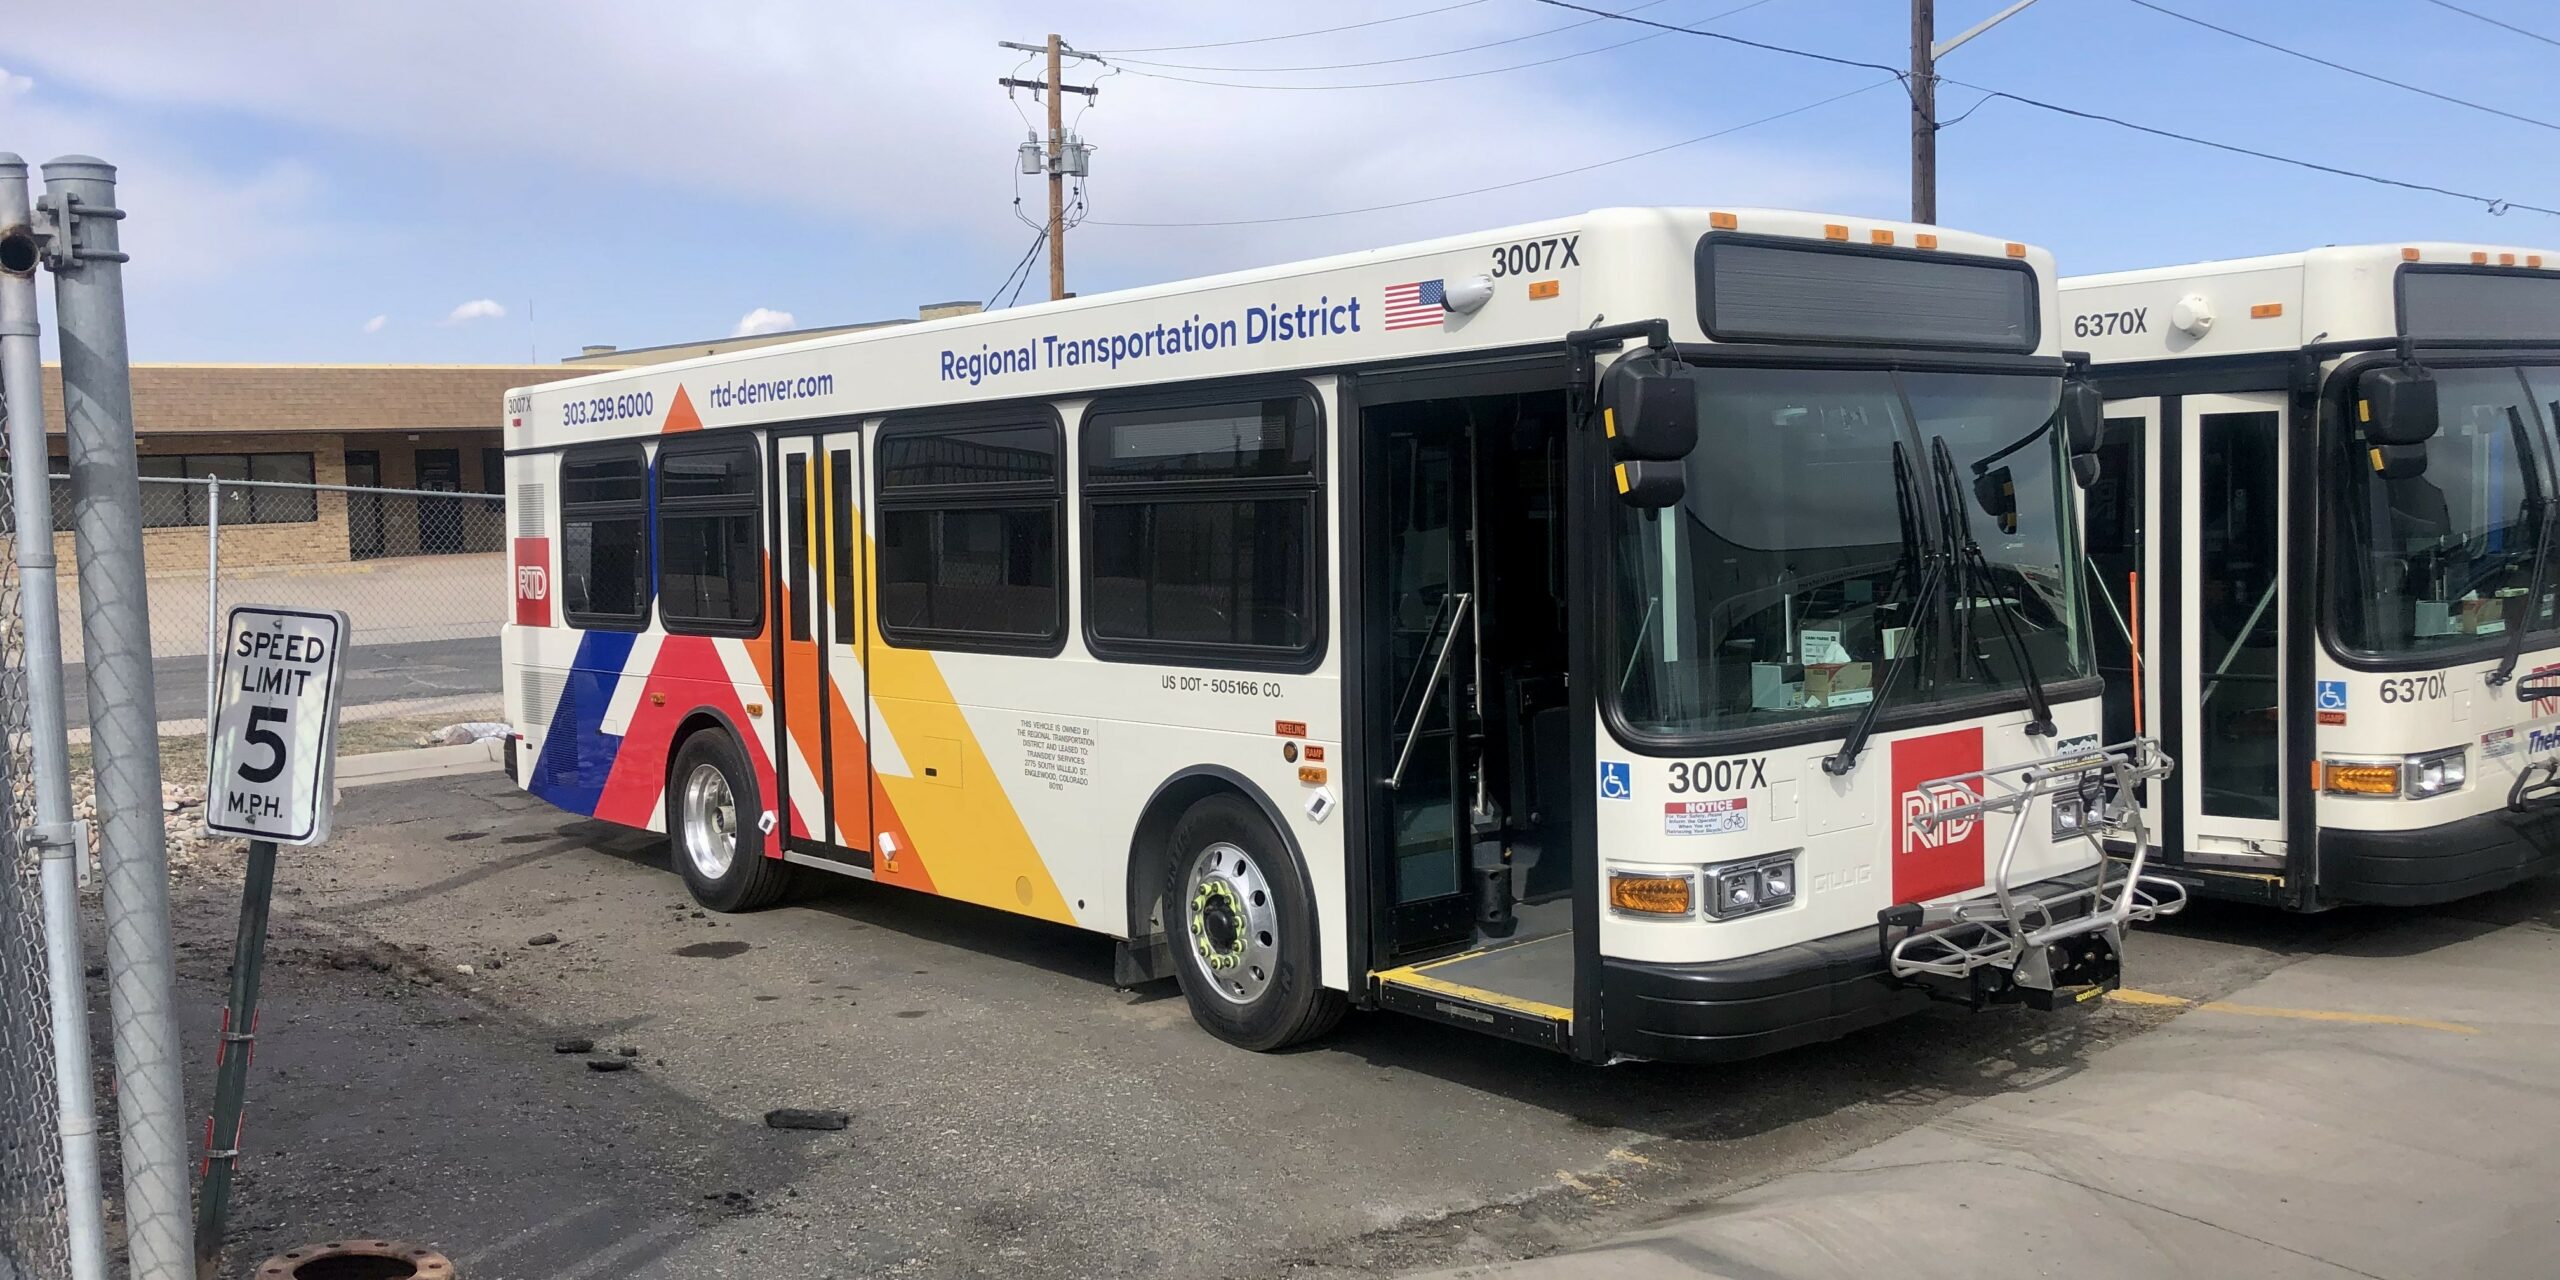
(533, 582)
(2545, 706)
(1918, 805)
(1934, 859)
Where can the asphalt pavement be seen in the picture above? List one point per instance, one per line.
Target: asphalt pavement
(1014, 1114)
(375, 674)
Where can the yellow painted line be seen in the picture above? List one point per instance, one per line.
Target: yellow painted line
(1420, 981)
(2156, 999)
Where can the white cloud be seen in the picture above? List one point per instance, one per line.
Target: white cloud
(476, 309)
(12, 84)
(375, 324)
(763, 320)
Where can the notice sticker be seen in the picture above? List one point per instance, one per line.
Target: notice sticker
(1706, 817)
(2497, 744)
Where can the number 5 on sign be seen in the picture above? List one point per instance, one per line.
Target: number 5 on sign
(275, 724)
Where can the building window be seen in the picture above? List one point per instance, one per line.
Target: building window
(174, 493)
(493, 471)
(604, 552)
(1201, 531)
(972, 536)
(710, 563)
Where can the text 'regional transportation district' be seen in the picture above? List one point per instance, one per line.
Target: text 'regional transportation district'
(1656, 633)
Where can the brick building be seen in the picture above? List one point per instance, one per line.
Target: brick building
(431, 427)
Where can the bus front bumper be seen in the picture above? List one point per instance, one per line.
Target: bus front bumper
(2441, 863)
(1728, 1010)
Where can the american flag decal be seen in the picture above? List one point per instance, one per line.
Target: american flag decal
(1411, 306)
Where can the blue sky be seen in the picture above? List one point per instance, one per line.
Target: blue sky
(332, 182)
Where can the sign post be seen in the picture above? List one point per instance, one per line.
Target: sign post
(272, 744)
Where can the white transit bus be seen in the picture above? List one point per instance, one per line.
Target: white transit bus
(2324, 534)
(1592, 632)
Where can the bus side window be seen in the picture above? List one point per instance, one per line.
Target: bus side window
(1201, 532)
(972, 536)
(604, 554)
(710, 549)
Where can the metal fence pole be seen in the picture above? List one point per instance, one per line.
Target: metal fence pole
(212, 605)
(106, 496)
(49, 740)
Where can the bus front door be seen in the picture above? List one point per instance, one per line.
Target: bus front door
(2231, 680)
(825, 698)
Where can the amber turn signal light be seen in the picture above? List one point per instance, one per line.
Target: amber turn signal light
(1650, 895)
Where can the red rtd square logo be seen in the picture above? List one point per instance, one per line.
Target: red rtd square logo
(533, 582)
(1932, 860)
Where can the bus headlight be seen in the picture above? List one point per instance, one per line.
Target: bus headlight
(1744, 888)
(2429, 773)
(2436, 773)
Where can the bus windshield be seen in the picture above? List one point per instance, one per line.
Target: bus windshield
(2442, 560)
(1785, 580)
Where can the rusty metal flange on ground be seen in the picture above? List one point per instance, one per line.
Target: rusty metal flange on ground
(357, 1260)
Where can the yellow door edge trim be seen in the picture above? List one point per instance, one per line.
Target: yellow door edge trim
(1413, 976)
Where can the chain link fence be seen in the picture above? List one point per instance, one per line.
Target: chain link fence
(421, 573)
(35, 1242)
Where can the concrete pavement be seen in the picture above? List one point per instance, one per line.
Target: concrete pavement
(2386, 1109)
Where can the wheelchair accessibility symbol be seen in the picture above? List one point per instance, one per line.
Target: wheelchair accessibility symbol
(2333, 695)
(1617, 780)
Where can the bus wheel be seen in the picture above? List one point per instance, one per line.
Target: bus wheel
(711, 827)
(1242, 920)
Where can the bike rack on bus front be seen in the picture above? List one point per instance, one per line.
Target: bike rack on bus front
(2004, 946)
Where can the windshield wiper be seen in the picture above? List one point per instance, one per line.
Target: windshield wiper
(2546, 515)
(1973, 569)
(1925, 562)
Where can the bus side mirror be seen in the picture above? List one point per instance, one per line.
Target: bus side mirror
(1649, 413)
(1996, 491)
(2084, 415)
(2397, 406)
(2398, 461)
(2084, 419)
(1651, 485)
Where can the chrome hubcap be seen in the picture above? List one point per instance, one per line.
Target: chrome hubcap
(710, 821)
(1235, 929)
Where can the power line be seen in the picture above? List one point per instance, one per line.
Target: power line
(1299, 35)
(1666, 28)
(2494, 204)
(2340, 66)
(1019, 268)
(1517, 182)
(1896, 72)
(1417, 57)
(2529, 35)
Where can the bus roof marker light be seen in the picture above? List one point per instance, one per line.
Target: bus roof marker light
(1834, 231)
(2479, 259)
(1880, 236)
(2016, 250)
(2409, 253)
(1925, 240)
(2506, 259)
(2533, 260)
(1723, 221)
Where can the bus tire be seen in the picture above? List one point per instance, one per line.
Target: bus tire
(1240, 915)
(711, 827)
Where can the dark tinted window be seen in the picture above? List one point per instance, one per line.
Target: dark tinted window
(1752, 289)
(710, 566)
(604, 556)
(1201, 532)
(971, 537)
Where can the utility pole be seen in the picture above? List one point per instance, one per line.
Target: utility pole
(1926, 49)
(1924, 112)
(1062, 157)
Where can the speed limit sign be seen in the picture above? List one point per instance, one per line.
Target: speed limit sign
(275, 728)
